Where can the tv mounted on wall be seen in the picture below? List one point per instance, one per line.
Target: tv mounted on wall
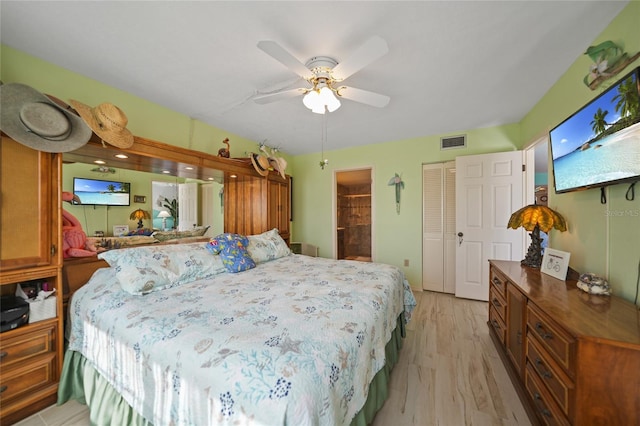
(599, 145)
(102, 192)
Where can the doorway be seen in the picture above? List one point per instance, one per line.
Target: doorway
(353, 214)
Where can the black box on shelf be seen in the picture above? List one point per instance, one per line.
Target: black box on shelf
(14, 312)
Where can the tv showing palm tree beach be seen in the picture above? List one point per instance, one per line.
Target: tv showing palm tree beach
(600, 144)
(102, 192)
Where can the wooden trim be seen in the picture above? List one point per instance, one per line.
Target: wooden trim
(151, 156)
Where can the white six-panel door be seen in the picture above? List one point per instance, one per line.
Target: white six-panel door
(489, 188)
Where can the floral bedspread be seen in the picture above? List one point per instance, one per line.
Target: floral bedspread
(295, 341)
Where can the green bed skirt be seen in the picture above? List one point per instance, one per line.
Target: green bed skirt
(80, 381)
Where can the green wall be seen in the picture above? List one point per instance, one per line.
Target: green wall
(602, 238)
(599, 238)
(395, 237)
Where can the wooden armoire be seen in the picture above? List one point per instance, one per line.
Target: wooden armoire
(253, 204)
(30, 255)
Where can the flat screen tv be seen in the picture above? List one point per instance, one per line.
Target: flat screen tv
(600, 144)
(102, 192)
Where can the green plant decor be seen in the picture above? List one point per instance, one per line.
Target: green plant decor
(172, 207)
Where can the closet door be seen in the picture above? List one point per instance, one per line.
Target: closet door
(438, 227)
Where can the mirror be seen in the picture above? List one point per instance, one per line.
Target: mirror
(145, 162)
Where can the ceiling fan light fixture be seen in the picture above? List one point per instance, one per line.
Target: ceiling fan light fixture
(321, 98)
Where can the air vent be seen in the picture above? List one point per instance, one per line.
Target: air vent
(453, 142)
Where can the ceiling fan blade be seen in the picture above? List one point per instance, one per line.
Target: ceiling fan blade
(364, 96)
(277, 96)
(371, 50)
(278, 53)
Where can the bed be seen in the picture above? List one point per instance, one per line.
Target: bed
(294, 340)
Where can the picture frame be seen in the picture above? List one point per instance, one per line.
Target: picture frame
(139, 199)
(555, 263)
(119, 230)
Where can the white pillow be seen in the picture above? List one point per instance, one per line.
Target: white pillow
(267, 246)
(142, 270)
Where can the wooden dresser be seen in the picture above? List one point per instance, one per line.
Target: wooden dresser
(573, 357)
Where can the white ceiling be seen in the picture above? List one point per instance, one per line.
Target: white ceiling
(452, 65)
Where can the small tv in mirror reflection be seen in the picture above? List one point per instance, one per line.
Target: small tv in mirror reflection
(102, 192)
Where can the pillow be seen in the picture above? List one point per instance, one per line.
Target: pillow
(267, 246)
(233, 251)
(197, 231)
(141, 231)
(142, 270)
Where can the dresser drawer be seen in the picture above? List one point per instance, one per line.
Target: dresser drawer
(497, 301)
(555, 380)
(546, 408)
(28, 377)
(498, 281)
(21, 347)
(497, 323)
(555, 341)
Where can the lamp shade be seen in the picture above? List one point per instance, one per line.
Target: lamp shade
(542, 216)
(536, 218)
(139, 214)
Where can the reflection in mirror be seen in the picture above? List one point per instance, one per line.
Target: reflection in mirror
(101, 219)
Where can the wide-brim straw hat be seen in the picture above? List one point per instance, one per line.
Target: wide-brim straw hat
(279, 164)
(107, 121)
(260, 163)
(34, 120)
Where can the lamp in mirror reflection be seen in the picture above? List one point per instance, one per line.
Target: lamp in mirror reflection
(138, 215)
(535, 218)
(164, 215)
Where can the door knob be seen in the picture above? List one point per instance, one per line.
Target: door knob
(460, 235)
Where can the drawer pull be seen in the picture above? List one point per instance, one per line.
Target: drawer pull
(3, 388)
(495, 324)
(3, 354)
(497, 281)
(496, 303)
(545, 412)
(541, 331)
(543, 372)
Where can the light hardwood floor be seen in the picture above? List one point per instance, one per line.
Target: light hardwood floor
(449, 374)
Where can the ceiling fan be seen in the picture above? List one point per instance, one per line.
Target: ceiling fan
(324, 74)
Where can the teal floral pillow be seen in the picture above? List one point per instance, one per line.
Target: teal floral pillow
(142, 270)
(267, 246)
(232, 249)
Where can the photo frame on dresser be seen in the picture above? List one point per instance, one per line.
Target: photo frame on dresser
(555, 263)
(120, 230)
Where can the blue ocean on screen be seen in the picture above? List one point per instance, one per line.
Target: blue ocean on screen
(611, 158)
(111, 198)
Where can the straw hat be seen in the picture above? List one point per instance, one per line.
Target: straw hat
(34, 120)
(279, 164)
(260, 163)
(107, 121)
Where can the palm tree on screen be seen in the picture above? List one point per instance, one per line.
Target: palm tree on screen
(599, 124)
(628, 101)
